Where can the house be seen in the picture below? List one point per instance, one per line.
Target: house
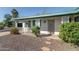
(48, 23)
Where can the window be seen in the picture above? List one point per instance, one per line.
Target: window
(29, 23)
(70, 19)
(76, 19)
(33, 22)
(19, 24)
(65, 19)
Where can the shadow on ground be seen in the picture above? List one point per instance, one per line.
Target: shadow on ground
(29, 43)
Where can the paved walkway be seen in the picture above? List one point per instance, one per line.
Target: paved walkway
(53, 37)
(4, 33)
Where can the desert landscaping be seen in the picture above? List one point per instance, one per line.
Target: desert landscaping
(24, 42)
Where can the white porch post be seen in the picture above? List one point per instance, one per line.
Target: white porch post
(16, 24)
(37, 22)
(65, 19)
(23, 26)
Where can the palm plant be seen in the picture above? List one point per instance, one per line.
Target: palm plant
(14, 13)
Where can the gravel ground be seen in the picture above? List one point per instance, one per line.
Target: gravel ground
(29, 43)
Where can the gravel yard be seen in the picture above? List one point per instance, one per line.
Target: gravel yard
(29, 43)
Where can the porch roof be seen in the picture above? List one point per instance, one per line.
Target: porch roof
(49, 15)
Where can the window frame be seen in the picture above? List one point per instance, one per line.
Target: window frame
(18, 25)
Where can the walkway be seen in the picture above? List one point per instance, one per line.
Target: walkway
(4, 33)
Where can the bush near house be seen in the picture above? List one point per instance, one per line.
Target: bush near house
(36, 30)
(1, 25)
(69, 32)
(14, 31)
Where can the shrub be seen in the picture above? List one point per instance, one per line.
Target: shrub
(14, 31)
(69, 32)
(36, 30)
(1, 26)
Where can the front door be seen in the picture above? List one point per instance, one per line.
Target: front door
(51, 26)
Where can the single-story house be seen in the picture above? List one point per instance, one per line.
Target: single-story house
(47, 22)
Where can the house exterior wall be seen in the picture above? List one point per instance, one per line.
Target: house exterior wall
(16, 24)
(57, 24)
(44, 27)
(58, 21)
(37, 22)
(24, 27)
(43, 24)
(65, 19)
(51, 26)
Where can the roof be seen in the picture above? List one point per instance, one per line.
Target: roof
(51, 15)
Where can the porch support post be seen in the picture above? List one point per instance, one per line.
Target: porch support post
(23, 24)
(23, 28)
(16, 24)
(37, 23)
(65, 19)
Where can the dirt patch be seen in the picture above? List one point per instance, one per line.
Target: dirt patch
(29, 43)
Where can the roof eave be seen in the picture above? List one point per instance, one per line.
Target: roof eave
(45, 16)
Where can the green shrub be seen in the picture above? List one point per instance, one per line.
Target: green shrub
(14, 31)
(36, 30)
(1, 26)
(69, 32)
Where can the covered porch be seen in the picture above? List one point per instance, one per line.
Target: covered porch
(47, 25)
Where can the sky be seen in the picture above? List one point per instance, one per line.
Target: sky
(30, 11)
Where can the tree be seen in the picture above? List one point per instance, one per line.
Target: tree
(1, 25)
(7, 21)
(14, 13)
(7, 16)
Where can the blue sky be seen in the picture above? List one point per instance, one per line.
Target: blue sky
(29, 11)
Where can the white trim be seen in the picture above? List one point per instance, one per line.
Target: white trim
(25, 28)
(44, 32)
(56, 33)
(65, 19)
(16, 24)
(37, 22)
